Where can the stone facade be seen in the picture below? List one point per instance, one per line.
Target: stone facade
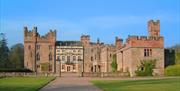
(39, 50)
(93, 56)
(70, 54)
(137, 48)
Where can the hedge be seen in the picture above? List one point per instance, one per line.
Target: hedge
(173, 70)
(14, 70)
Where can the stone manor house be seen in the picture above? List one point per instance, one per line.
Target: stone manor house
(46, 54)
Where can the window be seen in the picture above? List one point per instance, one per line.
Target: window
(58, 50)
(74, 58)
(74, 50)
(58, 58)
(37, 57)
(79, 50)
(50, 67)
(151, 52)
(50, 47)
(63, 67)
(37, 47)
(91, 58)
(63, 50)
(50, 56)
(29, 47)
(63, 58)
(79, 58)
(38, 66)
(147, 52)
(68, 59)
(74, 67)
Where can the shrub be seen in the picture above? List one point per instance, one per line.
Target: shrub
(114, 63)
(173, 70)
(45, 67)
(14, 70)
(145, 68)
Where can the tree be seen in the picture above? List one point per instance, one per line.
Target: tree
(146, 68)
(4, 51)
(17, 56)
(114, 63)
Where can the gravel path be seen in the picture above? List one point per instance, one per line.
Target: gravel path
(70, 82)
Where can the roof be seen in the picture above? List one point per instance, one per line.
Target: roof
(68, 43)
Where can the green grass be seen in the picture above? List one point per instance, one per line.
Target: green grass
(168, 84)
(23, 83)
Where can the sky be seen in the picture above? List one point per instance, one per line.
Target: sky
(103, 19)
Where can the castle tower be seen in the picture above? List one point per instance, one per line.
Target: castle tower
(29, 48)
(85, 39)
(39, 50)
(98, 41)
(118, 43)
(154, 28)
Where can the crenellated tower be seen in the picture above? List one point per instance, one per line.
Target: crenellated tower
(39, 50)
(118, 43)
(85, 39)
(154, 28)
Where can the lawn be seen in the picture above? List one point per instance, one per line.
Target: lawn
(23, 83)
(168, 84)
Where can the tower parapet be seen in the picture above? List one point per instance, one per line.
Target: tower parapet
(154, 28)
(145, 41)
(85, 39)
(118, 43)
(33, 35)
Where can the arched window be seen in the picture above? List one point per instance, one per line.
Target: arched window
(37, 57)
(145, 53)
(150, 52)
(50, 56)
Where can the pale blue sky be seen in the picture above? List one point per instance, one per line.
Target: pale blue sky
(102, 19)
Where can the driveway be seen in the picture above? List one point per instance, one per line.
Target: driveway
(70, 82)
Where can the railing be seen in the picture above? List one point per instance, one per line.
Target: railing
(105, 74)
(9, 74)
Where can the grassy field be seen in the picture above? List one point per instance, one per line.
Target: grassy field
(23, 83)
(169, 84)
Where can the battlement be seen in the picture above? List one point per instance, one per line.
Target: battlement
(85, 36)
(118, 42)
(144, 41)
(85, 39)
(148, 38)
(31, 35)
(154, 22)
(154, 28)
